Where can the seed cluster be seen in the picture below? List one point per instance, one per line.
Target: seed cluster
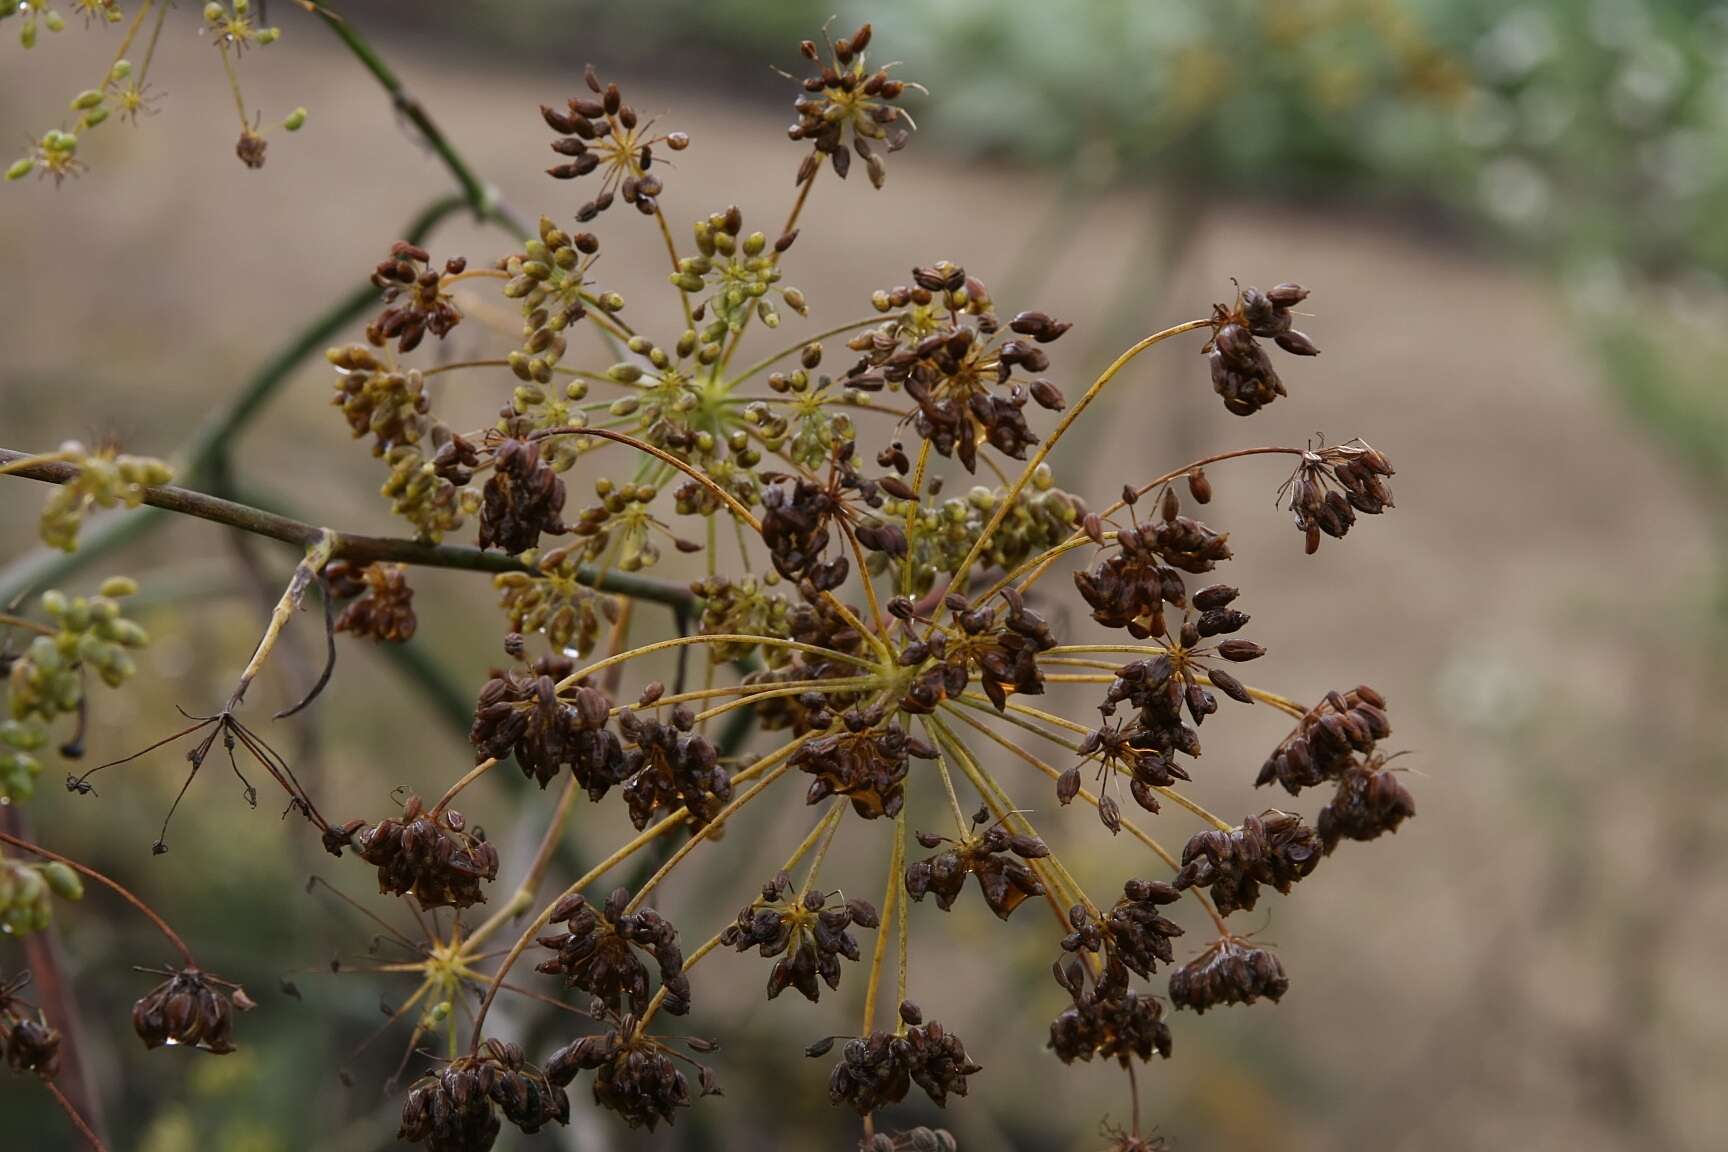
(879, 1069)
(635, 1076)
(996, 857)
(28, 1043)
(847, 97)
(1230, 971)
(1274, 848)
(380, 602)
(807, 934)
(457, 1108)
(1242, 373)
(191, 1008)
(429, 854)
(597, 953)
(417, 298)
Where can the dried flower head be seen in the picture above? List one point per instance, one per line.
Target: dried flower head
(1229, 971)
(805, 931)
(846, 98)
(190, 1008)
(597, 953)
(996, 857)
(380, 602)
(430, 854)
(457, 1108)
(27, 1042)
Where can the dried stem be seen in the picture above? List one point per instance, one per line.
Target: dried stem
(891, 900)
(66, 1106)
(353, 547)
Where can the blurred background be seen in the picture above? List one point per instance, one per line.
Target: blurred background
(1514, 220)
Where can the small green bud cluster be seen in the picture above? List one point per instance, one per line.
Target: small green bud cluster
(54, 154)
(421, 495)
(618, 530)
(47, 680)
(555, 601)
(546, 279)
(941, 534)
(27, 892)
(389, 406)
(233, 26)
(741, 607)
(105, 479)
(739, 272)
(36, 15)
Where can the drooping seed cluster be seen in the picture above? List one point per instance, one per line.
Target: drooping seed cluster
(1275, 848)
(668, 765)
(457, 1108)
(879, 1069)
(996, 857)
(429, 854)
(866, 761)
(597, 953)
(1129, 587)
(190, 1008)
(524, 498)
(1134, 937)
(1328, 739)
(1242, 373)
(807, 933)
(28, 1043)
(1332, 484)
(1230, 971)
(635, 1075)
(380, 602)
(520, 713)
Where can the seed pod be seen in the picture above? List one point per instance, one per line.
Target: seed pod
(1240, 650)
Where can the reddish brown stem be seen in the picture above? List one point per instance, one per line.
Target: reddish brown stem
(71, 1111)
(115, 886)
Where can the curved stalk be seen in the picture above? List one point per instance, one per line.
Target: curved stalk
(1062, 426)
(112, 885)
(635, 845)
